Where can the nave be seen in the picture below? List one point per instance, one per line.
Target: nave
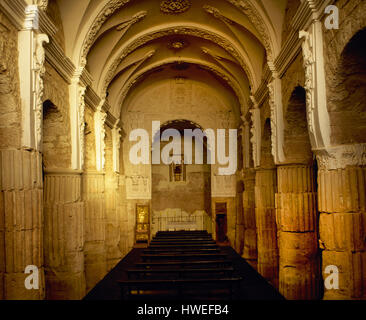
(183, 265)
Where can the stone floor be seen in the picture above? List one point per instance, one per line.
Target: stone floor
(253, 286)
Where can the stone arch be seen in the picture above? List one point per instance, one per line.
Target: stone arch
(169, 195)
(208, 66)
(348, 100)
(56, 148)
(105, 10)
(186, 29)
(297, 146)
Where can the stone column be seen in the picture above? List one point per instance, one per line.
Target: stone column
(239, 232)
(95, 217)
(112, 221)
(64, 235)
(21, 222)
(250, 230)
(342, 207)
(298, 237)
(265, 213)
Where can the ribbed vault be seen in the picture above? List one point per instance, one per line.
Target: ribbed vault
(122, 41)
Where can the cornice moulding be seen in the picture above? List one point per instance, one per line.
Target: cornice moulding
(14, 11)
(93, 101)
(262, 91)
(57, 59)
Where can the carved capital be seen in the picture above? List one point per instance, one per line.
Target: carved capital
(341, 157)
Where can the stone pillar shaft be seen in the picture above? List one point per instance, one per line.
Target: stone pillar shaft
(342, 207)
(112, 221)
(21, 223)
(265, 188)
(95, 218)
(239, 229)
(297, 224)
(64, 235)
(250, 229)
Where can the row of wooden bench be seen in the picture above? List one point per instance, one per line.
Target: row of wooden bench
(181, 265)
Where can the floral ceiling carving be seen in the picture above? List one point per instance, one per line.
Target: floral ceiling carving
(178, 44)
(175, 6)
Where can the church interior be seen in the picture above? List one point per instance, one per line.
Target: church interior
(77, 78)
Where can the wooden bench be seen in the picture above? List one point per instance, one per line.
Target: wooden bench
(158, 273)
(162, 246)
(222, 263)
(168, 233)
(183, 236)
(182, 256)
(182, 242)
(180, 250)
(180, 288)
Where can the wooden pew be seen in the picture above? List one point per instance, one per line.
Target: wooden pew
(162, 246)
(173, 236)
(182, 256)
(180, 288)
(171, 273)
(180, 250)
(222, 263)
(182, 242)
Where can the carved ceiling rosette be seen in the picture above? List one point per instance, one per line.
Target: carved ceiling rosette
(175, 6)
(178, 44)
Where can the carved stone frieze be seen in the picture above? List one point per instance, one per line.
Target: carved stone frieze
(39, 71)
(307, 51)
(81, 113)
(277, 122)
(99, 120)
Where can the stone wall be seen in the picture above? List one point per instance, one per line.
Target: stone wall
(56, 121)
(345, 74)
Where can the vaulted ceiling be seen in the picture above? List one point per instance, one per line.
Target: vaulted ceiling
(122, 42)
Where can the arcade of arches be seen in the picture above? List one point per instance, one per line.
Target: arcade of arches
(76, 77)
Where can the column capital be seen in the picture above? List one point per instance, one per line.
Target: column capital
(340, 157)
